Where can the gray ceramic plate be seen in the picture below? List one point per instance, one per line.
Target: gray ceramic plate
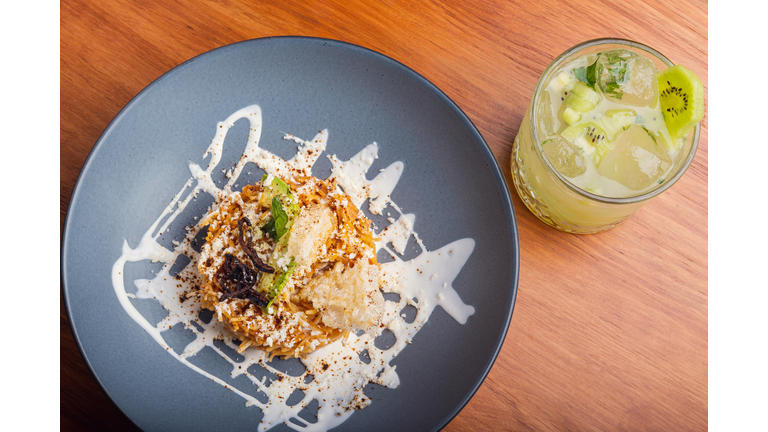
(451, 181)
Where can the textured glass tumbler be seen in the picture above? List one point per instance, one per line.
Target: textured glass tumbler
(551, 196)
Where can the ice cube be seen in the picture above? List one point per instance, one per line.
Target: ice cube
(545, 120)
(628, 78)
(565, 157)
(637, 161)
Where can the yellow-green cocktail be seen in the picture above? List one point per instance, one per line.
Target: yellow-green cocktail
(612, 123)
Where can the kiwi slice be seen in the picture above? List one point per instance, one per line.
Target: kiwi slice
(592, 134)
(589, 137)
(681, 96)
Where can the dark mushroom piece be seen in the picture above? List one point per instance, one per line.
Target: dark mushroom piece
(237, 280)
(248, 247)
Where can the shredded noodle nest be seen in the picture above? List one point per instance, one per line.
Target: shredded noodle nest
(325, 298)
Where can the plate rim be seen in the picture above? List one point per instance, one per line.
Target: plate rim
(483, 146)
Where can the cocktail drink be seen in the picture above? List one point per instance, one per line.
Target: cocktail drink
(612, 124)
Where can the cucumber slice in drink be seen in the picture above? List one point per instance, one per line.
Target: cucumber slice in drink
(582, 98)
(578, 104)
(570, 116)
(583, 91)
(571, 133)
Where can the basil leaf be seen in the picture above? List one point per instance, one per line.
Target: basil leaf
(280, 217)
(269, 228)
(284, 209)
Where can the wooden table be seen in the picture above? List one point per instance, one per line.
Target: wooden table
(609, 331)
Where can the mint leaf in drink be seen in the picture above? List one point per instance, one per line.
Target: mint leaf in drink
(592, 74)
(587, 74)
(613, 89)
(581, 74)
(626, 77)
(612, 72)
(650, 134)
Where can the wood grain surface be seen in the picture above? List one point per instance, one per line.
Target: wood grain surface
(609, 331)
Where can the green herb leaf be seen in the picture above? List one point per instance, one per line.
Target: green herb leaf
(581, 74)
(279, 188)
(587, 75)
(278, 285)
(280, 217)
(613, 89)
(269, 228)
(615, 68)
(592, 72)
(284, 208)
(650, 134)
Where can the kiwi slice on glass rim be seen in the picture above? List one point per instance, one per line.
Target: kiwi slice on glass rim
(681, 96)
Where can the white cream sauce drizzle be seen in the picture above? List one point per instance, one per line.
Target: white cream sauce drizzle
(424, 282)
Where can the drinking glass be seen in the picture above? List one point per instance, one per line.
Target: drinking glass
(547, 193)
